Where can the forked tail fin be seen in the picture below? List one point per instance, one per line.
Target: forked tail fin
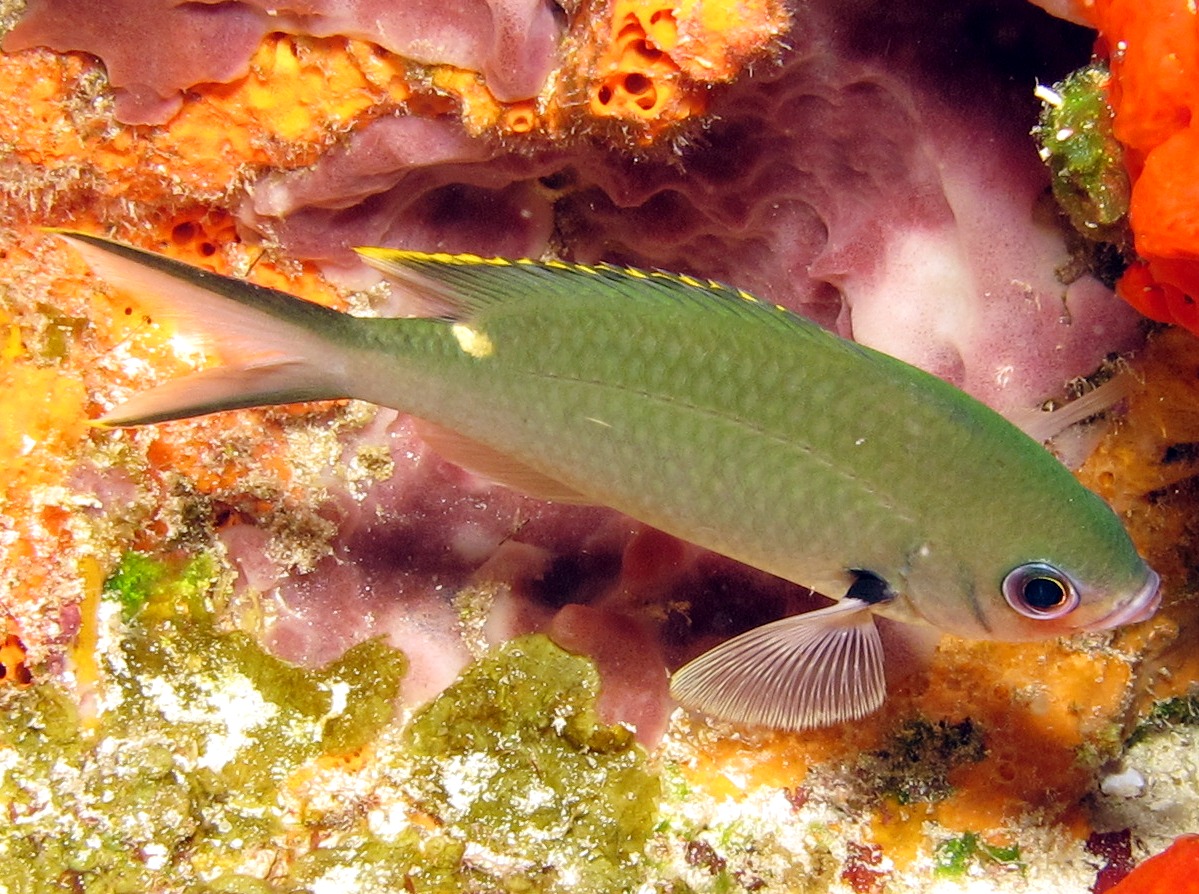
(284, 349)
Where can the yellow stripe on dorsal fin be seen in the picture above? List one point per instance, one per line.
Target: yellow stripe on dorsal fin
(417, 272)
(464, 288)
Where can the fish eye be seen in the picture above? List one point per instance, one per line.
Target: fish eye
(1038, 590)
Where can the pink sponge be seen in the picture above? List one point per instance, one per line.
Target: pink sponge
(510, 42)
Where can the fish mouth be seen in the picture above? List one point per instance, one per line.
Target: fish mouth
(1140, 607)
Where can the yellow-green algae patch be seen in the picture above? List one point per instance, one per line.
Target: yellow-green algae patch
(520, 785)
(172, 772)
(515, 755)
(185, 768)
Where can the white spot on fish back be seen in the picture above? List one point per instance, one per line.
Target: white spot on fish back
(471, 341)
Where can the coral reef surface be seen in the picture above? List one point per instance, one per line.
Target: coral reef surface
(199, 668)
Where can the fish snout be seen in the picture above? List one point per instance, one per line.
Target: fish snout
(1141, 607)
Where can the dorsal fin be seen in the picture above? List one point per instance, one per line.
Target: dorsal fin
(460, 286)
(429, 278)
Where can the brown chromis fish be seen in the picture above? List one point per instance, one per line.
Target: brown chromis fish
(697, 409)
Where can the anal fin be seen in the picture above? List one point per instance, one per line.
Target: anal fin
(815, 669)
(489, 463)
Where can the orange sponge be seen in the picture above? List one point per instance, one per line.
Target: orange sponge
(1153, 47)
(1174, 871)
(654, 60)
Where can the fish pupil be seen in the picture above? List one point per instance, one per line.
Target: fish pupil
(1044, 593)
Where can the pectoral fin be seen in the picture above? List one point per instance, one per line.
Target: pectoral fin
(808, 670)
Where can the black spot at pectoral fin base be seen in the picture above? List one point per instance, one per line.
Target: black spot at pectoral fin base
(815, 669)
(869, 587)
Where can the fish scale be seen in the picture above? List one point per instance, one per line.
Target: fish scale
(743, 403)
(699, 410)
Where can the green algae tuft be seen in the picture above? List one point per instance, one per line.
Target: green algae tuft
(514, 755)
(1085, 160)
(954, 857)
(171, 586)
(914, 764)
(1182, 710)
(134, 581)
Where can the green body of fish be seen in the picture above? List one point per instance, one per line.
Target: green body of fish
(694, 408)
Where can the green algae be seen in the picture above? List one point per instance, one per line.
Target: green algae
(914, 764)
(1085, 160)
(133, 582)
(416, 861)
(186, 774)
(171, 587)
(953, 857)
(514, 755)
(173, 771)
(1182, 710)
(177, 771)
(521, 787)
